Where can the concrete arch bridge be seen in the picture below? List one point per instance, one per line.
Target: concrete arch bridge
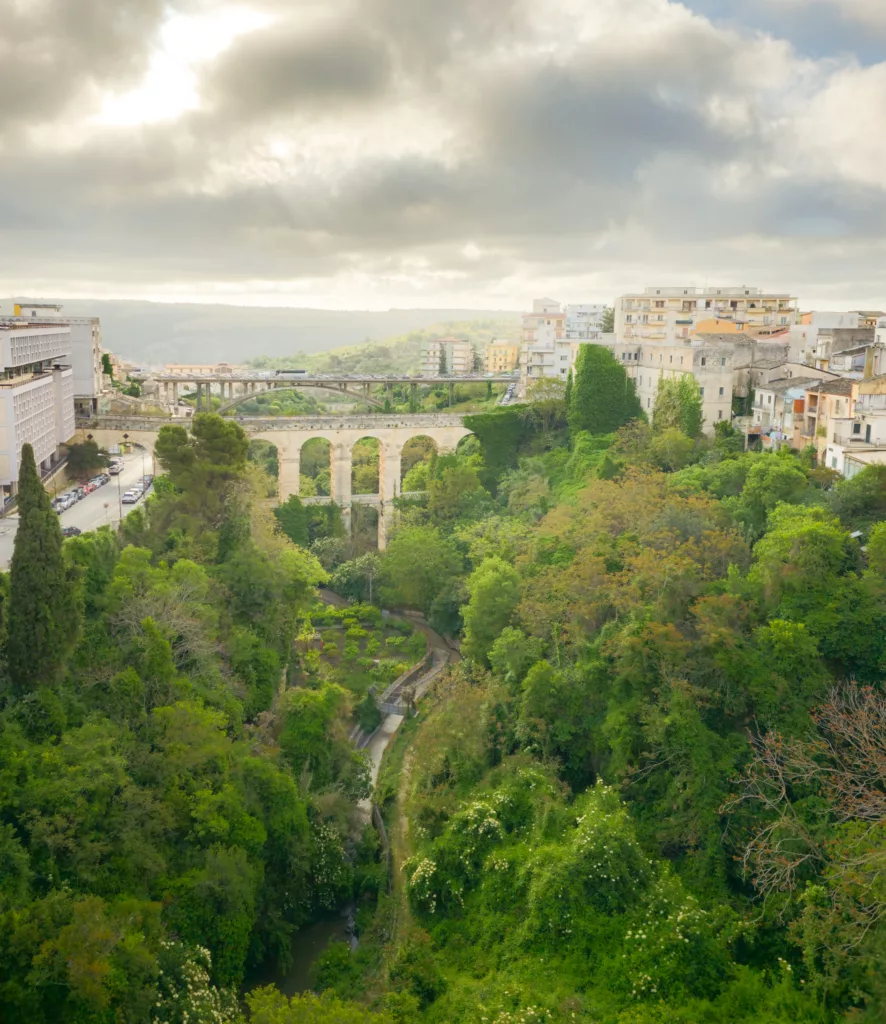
(290, 434)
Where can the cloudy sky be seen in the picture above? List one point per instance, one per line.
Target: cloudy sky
(377, 153)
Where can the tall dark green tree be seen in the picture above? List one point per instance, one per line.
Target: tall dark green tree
(42, 619)
(570, 383)
(603, 396)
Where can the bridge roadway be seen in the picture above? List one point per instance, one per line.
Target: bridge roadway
(289, 435)
(243, 386)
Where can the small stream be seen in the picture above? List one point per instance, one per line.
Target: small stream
(307, 945)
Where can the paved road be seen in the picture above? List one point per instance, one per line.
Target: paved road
(100, 508)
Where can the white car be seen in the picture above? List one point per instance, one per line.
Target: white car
(130, 498)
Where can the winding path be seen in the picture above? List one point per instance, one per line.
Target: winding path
(444, 653)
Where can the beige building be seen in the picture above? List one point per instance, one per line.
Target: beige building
(447, 356)
(723, 364)
(200, 369)
(502, 356)
(674, 314)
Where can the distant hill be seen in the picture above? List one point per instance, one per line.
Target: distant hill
(155, 333)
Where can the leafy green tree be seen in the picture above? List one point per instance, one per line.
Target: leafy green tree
(42, 616)
(358, 579)
(85, 458)
(417, 566)
(293, 519)
(678, 405)
(494, 589)
(200, 463)
(567, 395)
(107, 366)
(608, 321)
(603, 396)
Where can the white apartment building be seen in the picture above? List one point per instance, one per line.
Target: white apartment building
(552, 335)
(584, 322)
(36, 394)
(449, 356)
(85, 355)
(674, 314)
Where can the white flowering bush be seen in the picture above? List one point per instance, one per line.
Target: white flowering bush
(331, 875)
(671, 948)
(599, 867)
(184, 992)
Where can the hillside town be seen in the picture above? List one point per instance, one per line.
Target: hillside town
(780, 375)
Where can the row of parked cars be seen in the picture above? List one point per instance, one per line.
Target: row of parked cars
(131, 496)
(64, 501)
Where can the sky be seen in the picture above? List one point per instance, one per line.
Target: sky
(368, 154)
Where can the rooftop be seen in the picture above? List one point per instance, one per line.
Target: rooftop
(785, 384)
(843, 386)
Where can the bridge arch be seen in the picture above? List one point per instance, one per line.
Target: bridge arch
(289, 435)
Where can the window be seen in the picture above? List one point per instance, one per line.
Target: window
(648, 403)
(628, 318)
(659, 356)
(622, 357)
(769, 399)
(722, 392)
(672, 358)
(659, 303)
(719, 414)
(834, 462)
(704, 361)
(701, 392)
(681, 360)
(707, 304)
(856, 428)
(723, 362)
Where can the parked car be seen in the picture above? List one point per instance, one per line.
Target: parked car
(114, 469)
(130, 498)
(70, 531)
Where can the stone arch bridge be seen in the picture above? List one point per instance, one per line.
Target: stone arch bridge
(290, 434)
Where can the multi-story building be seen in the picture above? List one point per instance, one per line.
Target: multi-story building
(584, 322)
(778, 411)
(448, 356)
(201, 369)
(546, 350)
(673, 314)
(36, 393)
(723, 365)
(502, 356)
(85, 352)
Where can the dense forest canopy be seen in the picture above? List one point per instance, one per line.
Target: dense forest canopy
(651, 790)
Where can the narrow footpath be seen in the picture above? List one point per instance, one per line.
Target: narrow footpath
(443, 653)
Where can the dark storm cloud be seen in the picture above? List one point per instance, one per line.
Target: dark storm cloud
(286, 69)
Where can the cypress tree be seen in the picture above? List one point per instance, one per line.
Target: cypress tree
(41, 618)
(603, 396)
(567, 398)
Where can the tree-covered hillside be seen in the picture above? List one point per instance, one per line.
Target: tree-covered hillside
(651, 790)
